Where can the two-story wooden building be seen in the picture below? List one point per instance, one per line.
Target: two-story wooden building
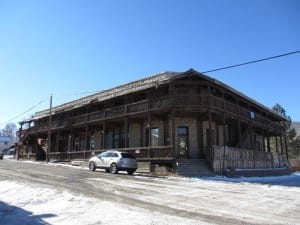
(161, 119)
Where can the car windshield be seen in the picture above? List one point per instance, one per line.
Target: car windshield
(127, 155)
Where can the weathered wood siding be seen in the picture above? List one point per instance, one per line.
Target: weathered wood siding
(221, 158)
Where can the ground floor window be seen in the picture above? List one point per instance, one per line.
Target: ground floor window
(155, 136)
(77, 142)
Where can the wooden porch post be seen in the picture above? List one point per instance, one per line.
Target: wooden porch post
(173, 121)
(200, 137)
(251, 136)
(86, 140)
(209, 120)
(264, 144)
(268, 143)
(173, 132)
(224, 142)
(276, 143)
(239, 133)
(103, 134)
(286, 147)
(149, 126)
(281, 145)
(57, 140)
(142, 134)
(126, 131)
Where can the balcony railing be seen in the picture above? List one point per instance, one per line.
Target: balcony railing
(189, 101)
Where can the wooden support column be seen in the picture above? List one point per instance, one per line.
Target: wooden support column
(251, 136)
(103, 134)
(173, 131)
(281, 145)
(286, 147)
(126, 131)
(276, 143)
(149, 127)
(268, 143)
(209, 122)
(224, 142)
(239, 124)
(86, 140)
(239, 133)
(71, 140)
(166, 131)
(263, 141)
(142, 130)
(176, 154)
(57, 140)
(86, 137)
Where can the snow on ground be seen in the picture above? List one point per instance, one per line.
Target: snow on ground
(29, 204)
(261, 200)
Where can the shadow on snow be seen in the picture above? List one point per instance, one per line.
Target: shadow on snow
(14, 215)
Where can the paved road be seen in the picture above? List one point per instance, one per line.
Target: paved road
(215, 202)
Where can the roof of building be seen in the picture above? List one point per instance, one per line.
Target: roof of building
(143, 84)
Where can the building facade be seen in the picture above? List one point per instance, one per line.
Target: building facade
(161, 119)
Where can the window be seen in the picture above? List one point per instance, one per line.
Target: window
(77, 140)
(118, 138)
(182, 131)
(155, 136)
(92, 143)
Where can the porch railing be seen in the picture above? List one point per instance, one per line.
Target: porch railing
(197, 102)
(141, 153)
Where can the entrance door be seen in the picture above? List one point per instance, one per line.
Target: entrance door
(183, 141)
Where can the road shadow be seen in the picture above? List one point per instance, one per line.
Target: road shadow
(292, 180)
(14, 215)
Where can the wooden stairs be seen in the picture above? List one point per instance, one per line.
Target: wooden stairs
(193, 168)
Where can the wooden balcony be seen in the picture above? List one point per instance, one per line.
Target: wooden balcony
(189, 102)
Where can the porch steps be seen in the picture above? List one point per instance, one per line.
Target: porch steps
(193, 168)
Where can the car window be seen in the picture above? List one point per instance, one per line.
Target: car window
(115, 155)
(127, 155)
(103, 154)
(109, 154)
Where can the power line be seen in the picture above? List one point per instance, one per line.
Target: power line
(21, 114)
(208, 71)
(251, 62)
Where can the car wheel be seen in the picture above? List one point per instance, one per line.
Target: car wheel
(92, 166)
(113, 168)
(130, 172)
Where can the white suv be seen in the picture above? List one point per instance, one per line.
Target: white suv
(114, 161)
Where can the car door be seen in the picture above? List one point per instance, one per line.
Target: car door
(110, 157)
(101, 159)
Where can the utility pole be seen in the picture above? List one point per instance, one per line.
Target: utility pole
(49, 130)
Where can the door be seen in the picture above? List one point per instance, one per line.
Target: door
(183, 141)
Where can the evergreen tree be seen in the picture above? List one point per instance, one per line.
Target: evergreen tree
(291, 134)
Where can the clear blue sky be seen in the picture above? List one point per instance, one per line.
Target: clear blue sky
(68, 47)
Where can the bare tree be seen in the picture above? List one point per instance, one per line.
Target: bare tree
(9, 130)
